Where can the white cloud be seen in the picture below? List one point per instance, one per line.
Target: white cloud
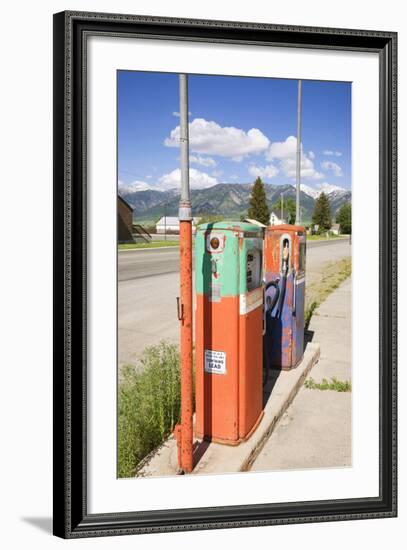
(335, 168)
(203, 161)
(330, 153)
(217, 173)
(282, 149)
(289, 168)
(210, 138)
(234, 177)
(311, 155)
(134, 186)
(197, 180)
(265, 172)
(285, 152)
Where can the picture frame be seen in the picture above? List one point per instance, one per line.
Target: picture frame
(71, 516)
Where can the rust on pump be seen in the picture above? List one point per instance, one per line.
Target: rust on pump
(284, 273)
(229, 323)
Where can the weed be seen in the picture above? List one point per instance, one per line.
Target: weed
(308, 314)
(149, 405)
(334, 385)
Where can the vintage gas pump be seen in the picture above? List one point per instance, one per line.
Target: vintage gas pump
(229, 330)
(284, 273)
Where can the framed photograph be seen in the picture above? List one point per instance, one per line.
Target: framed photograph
(225, 282)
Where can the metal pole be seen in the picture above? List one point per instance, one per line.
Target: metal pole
(185, 219)
(165, 221)
(297, 202)
(282, 206)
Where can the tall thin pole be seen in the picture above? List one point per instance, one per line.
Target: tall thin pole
(297, 202)
(165, 220)
(185, 219)
(282, 206)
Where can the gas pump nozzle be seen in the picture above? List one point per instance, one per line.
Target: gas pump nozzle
(272, 302)
(284, 272)
(286, 254)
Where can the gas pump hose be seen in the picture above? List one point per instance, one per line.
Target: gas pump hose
(274, 284)
(282, 292)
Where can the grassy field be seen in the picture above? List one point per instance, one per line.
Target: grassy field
(332, 275)
(323, 237)
(152, 244)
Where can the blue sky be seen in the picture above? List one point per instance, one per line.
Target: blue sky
(240, 128)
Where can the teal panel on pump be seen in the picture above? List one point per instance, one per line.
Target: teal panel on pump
(217, 270)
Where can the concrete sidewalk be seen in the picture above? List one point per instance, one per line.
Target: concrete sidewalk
(315, 431)
(213, 458)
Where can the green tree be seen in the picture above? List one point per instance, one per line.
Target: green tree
(288, 209)
(322, 213)
(344, 218)
(258, 208)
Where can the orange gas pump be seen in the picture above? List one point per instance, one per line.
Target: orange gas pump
(284, 273)
(229, 330)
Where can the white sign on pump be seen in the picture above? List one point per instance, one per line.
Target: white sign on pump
(215, 362)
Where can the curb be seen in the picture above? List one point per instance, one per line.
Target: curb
(271, 418)
(217, 458)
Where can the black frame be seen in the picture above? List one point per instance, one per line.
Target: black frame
(71, 519)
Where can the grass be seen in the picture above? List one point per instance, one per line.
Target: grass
(334, 385)
(333, 275)
(149, 405)
(308, 314)
(323, 237)
(152, 244)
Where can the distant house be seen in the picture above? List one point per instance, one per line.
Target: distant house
(170, 224)
(124, 221)
(336, 228)
(275, 220)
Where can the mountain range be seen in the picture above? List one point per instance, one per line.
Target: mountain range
(229, 199)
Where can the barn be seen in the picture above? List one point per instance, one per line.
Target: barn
(124, 221)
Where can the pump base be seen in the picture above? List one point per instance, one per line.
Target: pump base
(292, 367)
(232, 442)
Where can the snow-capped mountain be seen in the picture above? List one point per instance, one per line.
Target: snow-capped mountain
(135, 186)
(327, 188)
(229, 199)
(310, 191)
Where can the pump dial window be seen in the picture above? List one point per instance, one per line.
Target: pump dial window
(215, 242)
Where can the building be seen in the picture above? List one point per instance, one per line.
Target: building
(170, 224)
(275, 220)
(124, 221)
(336, 228)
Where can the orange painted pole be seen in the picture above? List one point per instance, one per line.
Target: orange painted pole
(185, 225)
(186, 345)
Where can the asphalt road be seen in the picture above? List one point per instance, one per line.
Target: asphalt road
(149, 285)
(140, 263)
